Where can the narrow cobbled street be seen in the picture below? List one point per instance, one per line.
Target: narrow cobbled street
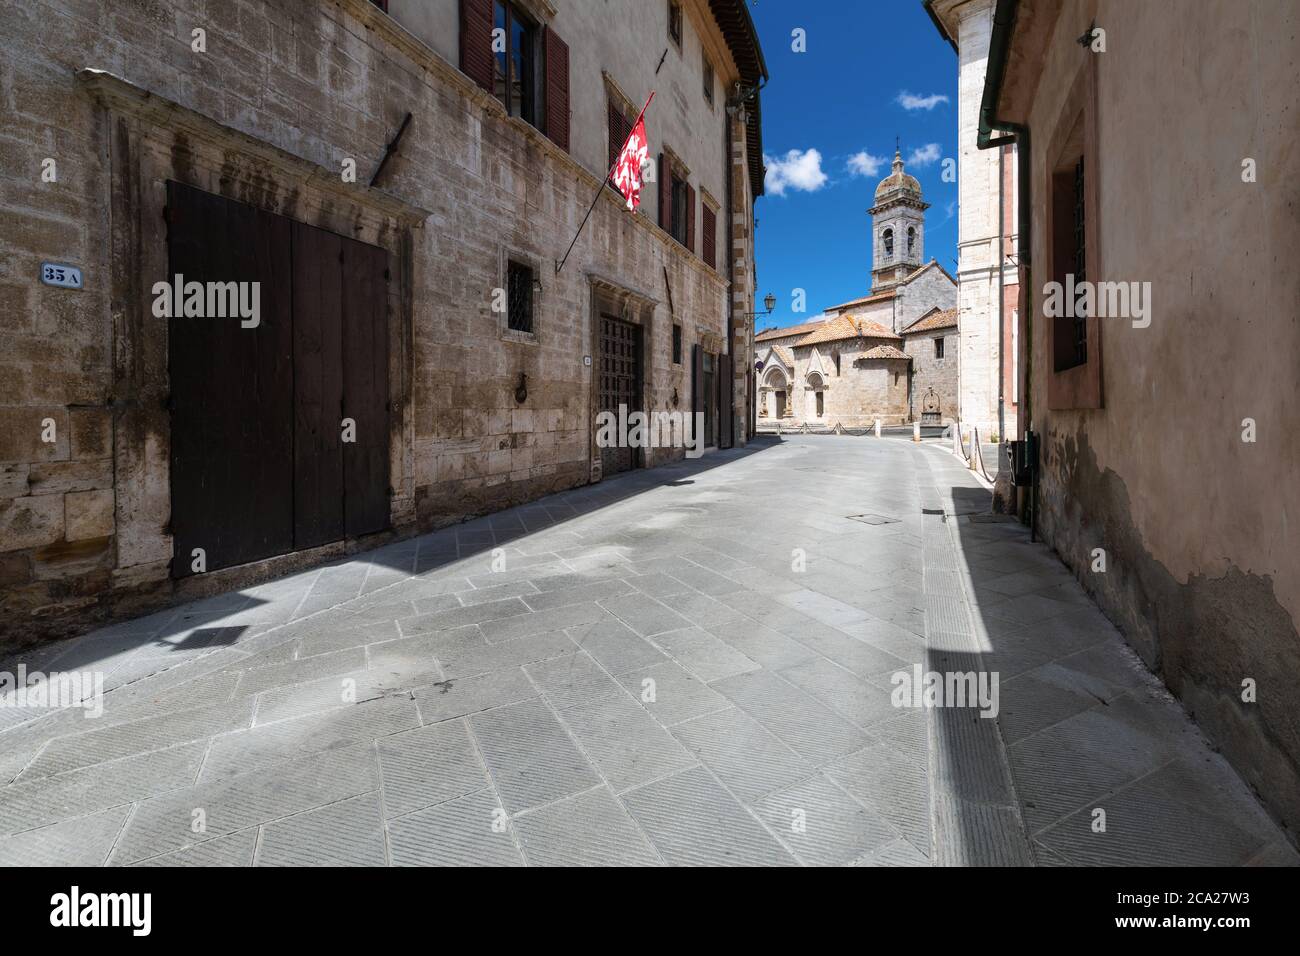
(690, 665)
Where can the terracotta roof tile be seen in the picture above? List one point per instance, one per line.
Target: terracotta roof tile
(806, 327)
(934, 319)
(846, 327)
(884, 352)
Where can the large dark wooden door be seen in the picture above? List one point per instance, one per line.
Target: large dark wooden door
(620, 383)
(260, 462)
(365, 387)
(231, 387)
(318, 385)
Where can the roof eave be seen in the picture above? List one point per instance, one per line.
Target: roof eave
(939, 24)
(1004, 25)
(737, 26)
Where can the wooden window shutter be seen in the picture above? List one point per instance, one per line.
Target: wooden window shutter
(690, 218)
(708, 242)
(615, 124)
(476, 59)
(556, 53)
(620, 128)
(665, 193)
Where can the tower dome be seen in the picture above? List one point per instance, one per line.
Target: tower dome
(898, 180)
(897, 227)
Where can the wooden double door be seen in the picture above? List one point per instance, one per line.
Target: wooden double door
(279, 429)
(620, 385)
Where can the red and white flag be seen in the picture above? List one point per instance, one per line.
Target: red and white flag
(627, 171)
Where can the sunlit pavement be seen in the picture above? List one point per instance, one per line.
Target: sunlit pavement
(689, 665)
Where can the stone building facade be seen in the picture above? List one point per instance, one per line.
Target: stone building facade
(1168, 446)
(986, 234)
(864, 360)
(846, 371)
(931, 343)
(251, 135)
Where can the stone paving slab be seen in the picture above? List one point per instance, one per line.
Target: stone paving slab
(650, 679)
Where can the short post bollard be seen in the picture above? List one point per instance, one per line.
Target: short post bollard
(916, 431)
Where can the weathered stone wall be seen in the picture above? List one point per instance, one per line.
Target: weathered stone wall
(931, 289)
(282, 96)
(1202, 572)
(862, 391)
(929, 372)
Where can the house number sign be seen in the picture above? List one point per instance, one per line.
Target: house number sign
(67, 277)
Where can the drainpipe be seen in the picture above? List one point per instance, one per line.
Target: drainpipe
(1002, 339)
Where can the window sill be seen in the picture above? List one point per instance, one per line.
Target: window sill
(518, 337)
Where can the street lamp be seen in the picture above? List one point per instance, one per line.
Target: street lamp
(769, 300)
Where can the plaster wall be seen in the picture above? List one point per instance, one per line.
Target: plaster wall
(1202, 571)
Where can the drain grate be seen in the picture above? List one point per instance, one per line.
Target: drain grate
(872, 519)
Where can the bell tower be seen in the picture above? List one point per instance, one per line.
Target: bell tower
(897, 228)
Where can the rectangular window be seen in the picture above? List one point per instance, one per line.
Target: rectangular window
(708, 81)
(837, 364)
(620, 128)
(938, 347)
(519, 296)
(1080, 265)
(675, 22)
(514, 80)
(680, 208)
(709, 240)
(1069, 257)
(677, 345)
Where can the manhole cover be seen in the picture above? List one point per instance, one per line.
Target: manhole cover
(873, 519)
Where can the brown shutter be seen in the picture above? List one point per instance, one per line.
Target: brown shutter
(556, 52)
(615, 124)
(708, 241)
(690, 218)
(620, 128)
(476, 59)
(665, 193)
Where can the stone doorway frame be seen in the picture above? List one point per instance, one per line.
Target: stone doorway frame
(151, 140)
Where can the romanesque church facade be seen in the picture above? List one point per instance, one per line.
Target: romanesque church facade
(889, 355)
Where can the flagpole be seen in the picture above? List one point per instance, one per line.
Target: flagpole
(639, 116)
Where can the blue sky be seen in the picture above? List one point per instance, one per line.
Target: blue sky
(844, 98)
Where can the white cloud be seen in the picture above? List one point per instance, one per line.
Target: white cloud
(910, 101)
(864, 164)
(925, 155)
(799, 170)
